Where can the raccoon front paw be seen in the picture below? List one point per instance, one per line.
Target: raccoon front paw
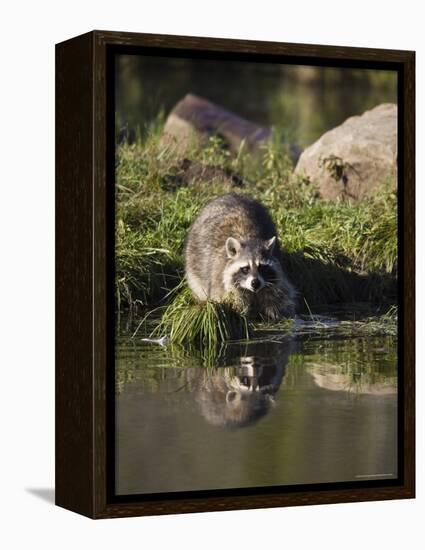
(278, 312)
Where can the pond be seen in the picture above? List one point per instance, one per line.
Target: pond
(302, 101)
(308, 406)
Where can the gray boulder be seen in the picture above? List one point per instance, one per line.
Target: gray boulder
(355, 158)
(194, 119)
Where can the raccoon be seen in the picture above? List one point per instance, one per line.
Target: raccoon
(232, 253)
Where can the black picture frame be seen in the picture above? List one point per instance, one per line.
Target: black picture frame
(85, 141)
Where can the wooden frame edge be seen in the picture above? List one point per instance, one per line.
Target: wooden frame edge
(74, 276)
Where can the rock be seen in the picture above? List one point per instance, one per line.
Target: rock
(355, 158)
(195, 119)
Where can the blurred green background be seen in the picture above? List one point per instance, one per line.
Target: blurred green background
(304, 101)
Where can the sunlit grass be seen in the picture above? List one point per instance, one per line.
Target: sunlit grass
(186, 321)
(333, 251)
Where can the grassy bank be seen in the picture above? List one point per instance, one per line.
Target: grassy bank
(334, 252)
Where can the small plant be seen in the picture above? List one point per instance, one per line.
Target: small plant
(276, 161)
(336, 167)
(215, 153)
(208, 324)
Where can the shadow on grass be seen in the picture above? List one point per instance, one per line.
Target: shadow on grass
(319, 282)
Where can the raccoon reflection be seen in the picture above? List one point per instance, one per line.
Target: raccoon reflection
(239, 395)
(232, 250)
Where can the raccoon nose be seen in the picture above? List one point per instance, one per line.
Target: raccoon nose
(255, 283)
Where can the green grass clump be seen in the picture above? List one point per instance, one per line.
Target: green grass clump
(208, 324)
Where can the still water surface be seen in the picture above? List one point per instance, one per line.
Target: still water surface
(288, 410)
(304, 101)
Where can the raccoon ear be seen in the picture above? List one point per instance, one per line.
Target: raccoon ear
(270, 244)
(232, 247)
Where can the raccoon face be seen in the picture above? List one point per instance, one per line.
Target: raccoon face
(250, 265)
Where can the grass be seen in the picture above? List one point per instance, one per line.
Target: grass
(334, 252)
(187, 322)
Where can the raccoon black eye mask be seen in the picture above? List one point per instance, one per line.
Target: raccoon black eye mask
(254, 276)
(232, 250)
(265, 270)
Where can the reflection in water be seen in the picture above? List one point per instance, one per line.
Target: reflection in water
(336, 378)
(258, 414)
(240, 394)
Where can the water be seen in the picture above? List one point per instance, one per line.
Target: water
(304, 101)
(295, 409)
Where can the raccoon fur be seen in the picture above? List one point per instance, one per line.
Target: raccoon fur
(232, 254)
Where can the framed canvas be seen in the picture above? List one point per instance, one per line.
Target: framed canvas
(235, 274)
